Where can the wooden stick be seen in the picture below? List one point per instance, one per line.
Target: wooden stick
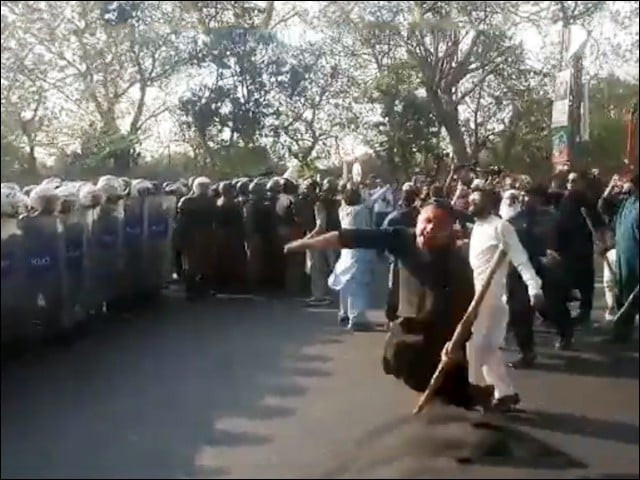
(628, 304)
(462, 331)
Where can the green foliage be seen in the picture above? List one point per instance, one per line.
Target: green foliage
(610, 98)
(13, 159)
(231, 108)
(83, 82)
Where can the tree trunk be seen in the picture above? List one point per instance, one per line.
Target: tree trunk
(32, 163)
(202, 136)
(121, 159)
(448, 118)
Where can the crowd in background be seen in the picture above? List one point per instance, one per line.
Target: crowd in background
(229, 236)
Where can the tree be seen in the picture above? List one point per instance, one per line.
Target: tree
(98, 61)
(313, 107)
(453, 48)
(610, 98)
(388, 108)
(229, 109)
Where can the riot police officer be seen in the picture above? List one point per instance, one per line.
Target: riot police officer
(195, 237)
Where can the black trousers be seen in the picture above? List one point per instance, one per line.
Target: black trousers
(521, 313)
(555, 288)
(581, 272)
(391, 310)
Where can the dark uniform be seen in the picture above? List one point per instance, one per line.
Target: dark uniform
(195, 238)
(260, 233)
(291, 228)
(41, 237)
(231, 255)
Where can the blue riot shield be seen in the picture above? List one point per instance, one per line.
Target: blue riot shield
(133, 249)
(104, 256)
(43, 264)
(159, 218)
(76, 227)
(14, 321)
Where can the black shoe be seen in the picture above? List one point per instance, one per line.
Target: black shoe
(506, 404)
(343, 321)
(564, 344)
(481, 396)
(526, 360)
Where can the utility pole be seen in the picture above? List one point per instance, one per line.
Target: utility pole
(576, 144)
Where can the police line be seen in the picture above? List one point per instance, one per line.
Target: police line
(59, 272)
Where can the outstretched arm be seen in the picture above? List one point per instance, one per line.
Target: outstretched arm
(328, 241)
(389, 239)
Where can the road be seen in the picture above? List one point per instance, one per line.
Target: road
(232, 388)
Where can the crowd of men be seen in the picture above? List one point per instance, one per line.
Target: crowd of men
(550, 236)
(280, 236)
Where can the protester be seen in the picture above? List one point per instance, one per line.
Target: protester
(383, 203)
(624, 211)
(440, 291)
(486, 363)
(405, 216)
(354, 271)
(575, 239)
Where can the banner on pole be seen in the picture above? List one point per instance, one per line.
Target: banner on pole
(560, 111)
(560, 146)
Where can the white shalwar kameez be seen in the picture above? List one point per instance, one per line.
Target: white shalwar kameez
(486, 362)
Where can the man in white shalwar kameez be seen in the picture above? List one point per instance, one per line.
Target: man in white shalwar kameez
(486, 363)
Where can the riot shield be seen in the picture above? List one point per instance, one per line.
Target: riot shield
(43, 259)
(159, 215)
(133, 245)
(75, 234)
(14, 321)
(104, 256)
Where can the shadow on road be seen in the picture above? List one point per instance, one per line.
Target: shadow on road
(140, 399)
(571, 424)
(617, 366)
(593, 357)
(445, 439)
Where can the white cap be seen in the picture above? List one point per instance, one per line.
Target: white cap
(40, 194)
(201, 184)
(139, 185)
(109, 185)
(54, 182)
(201, 181)
(13, 201)
(90, 195)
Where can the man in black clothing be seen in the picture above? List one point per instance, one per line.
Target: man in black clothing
(431, 309)
(575, 239)
(536, 226)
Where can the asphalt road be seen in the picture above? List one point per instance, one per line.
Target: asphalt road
(231, 388)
